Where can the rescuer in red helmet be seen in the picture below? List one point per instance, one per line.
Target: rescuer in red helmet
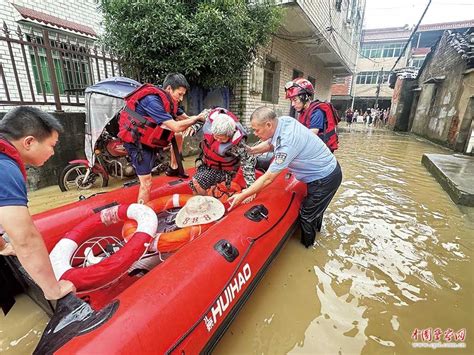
(320, 117)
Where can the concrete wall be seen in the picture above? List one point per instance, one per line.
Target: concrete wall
(465, 140)
(70, 146)
(466, 112)
(443, 101)
(289, 55)
(399, 116)
(470, 138)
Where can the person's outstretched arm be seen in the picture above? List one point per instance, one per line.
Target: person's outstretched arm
(262, 147)
(30, 249)
(263, 181)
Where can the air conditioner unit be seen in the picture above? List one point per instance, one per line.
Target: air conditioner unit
(256, 80)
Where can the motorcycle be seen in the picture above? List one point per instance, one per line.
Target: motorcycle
(105, 154)
(111, 159)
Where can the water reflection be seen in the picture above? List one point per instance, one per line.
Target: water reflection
(395, 254)
(21, 329)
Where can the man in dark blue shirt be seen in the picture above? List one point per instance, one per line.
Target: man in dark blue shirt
(143, 157)
(27, 136)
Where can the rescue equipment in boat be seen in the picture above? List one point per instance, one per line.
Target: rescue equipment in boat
(222, 193)
(193, 294)
(108, 269)
(167, 241)
(200, 210)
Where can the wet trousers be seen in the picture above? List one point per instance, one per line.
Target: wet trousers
(319, 195)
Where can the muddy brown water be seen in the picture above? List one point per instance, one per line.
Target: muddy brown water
(394, 256)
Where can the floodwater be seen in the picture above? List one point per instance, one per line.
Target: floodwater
(393, 261)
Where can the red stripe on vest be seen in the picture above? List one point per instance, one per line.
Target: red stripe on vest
(214, 153)
(147, 132)
(328, 135)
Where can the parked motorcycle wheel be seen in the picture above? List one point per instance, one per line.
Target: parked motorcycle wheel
(72, 178)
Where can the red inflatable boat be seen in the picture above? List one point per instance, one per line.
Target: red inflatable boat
(186, 301)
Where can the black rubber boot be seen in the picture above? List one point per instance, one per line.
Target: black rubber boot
(175, 172)
(307, 240)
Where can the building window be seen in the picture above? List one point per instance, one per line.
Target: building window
(417, 62)
(72, 71)
(312, 81)
(270, 81)
(339, 80)
(372, 77)
(297, 74)
(382, 50)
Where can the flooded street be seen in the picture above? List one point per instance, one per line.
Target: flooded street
(394, 257)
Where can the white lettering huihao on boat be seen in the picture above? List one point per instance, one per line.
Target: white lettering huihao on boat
(227, 297)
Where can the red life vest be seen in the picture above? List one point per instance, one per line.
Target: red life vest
(10, 151)
(329, 134)
(216, 154)
(135, 128)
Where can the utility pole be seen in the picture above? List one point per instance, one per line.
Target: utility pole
(353, 79)
(377, 92)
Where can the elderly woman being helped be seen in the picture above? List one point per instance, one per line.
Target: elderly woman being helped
(223, 152)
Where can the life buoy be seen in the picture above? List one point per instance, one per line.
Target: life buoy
(170, 241)
(107, 270)
(222, 193)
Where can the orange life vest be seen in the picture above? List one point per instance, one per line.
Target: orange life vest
(216, 154)
(329, 134)
(135, 128)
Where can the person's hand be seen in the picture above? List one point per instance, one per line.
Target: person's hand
(190, 131)
(64, 287)
(6, 249)
(237, 199)
(202, 115)
(250, 198)
(248, 148)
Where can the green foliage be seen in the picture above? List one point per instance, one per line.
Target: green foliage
(210, 42)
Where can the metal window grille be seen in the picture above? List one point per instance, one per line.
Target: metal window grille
(44, 68)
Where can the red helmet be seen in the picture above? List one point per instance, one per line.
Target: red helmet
(298, 86)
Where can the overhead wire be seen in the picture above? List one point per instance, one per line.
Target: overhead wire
(402, 53)
(334, 30)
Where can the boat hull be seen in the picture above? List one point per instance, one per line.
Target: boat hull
(187, 302)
